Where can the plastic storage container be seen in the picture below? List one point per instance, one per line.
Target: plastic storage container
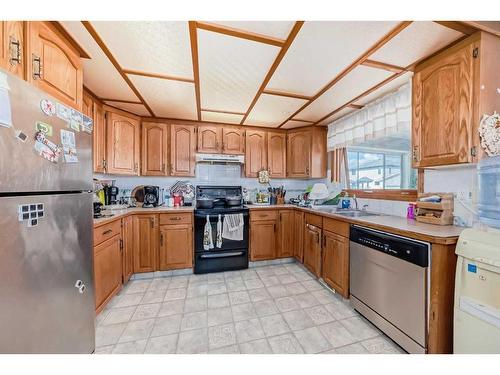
(489, 191)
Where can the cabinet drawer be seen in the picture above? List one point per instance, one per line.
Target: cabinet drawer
(315, 220)
(107, 231)
(336, 226)
(261, 215)
(180, 218)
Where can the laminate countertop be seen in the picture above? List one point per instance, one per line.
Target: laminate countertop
(118, 214)
(444, 234)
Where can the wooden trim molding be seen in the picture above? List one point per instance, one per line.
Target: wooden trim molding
(237, 33)
(286, 94)
(380, 43)
(382, 65)
(492, 27)
(220, 111)
(277, 61)
(120, 101)
(93, 33)
(156, 75)
(407, 195)
(61, 30)
(458, 26)
(193, 36)
(355, 106)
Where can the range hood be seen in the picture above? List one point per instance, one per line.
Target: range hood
(220, 158)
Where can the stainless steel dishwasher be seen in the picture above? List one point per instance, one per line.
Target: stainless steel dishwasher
(389, 284)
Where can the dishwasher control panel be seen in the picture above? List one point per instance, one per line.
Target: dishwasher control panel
(400, 247)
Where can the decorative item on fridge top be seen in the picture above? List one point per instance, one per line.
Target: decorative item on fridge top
(489, 130)
(184, 189)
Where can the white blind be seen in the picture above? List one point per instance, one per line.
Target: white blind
(385, 116)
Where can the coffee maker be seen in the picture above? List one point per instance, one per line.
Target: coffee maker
(110, 195)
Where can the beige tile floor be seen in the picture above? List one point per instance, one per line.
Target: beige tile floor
(268, 309)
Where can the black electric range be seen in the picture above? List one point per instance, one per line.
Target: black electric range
(232, 255)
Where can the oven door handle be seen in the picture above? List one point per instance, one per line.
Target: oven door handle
(223, 214)
(223, 255)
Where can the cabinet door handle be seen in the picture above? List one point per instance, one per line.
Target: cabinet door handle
(223, 146)
(152, 222)
(136, 167)
(107, 232)
(161, 239)
(307, 170)
(175, 218)
(37, 67)
(15, 51)
(415, 153)
(163, 168)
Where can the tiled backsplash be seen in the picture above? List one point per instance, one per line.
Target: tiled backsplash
(213, 174)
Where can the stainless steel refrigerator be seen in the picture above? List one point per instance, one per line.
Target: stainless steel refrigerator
(46, 277)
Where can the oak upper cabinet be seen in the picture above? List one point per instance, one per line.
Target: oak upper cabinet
(209, 139)
(285, 240)
(442, 109)
(451, 93)
(145, 242)
(176, 246)
(182, 150)
(13, 47)
(127, 248)
(276, 154)
(107, 271)
(255, 152)
(312, 248)
(154, 149)
(99, 139)
(233, 140)
(335, 264)
(54, 65)
(298, 150)
(298, 233)
(122, 138)
(306, 153)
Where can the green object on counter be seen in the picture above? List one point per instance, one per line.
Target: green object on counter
(334, 201)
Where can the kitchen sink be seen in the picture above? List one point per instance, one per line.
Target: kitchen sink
(356, 213)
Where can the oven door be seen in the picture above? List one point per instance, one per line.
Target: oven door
(200, 220)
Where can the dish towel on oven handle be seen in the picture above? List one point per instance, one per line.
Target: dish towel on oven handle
(208, 243)
(232, 229)
(218, 240)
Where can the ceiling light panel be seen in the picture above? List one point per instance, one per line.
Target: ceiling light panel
(149, 46)
(272, 110)
(323, 49)
(275, 29)
(229, 118)
(343, 112)
(98, 69)
(231, 70)
(387, 88)
(418, 40)
(353, 84)
(291, 124)
(135, 108)
(167, 98)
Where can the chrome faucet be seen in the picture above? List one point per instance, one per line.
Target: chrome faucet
(355, 201)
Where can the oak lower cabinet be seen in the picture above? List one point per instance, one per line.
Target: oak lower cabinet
(312, 248)
(13, 47)
(285, 237)
(54, 64)
(182, 150)
(145, 242)
(127, 248)
(335, 262)
(154, 156)
(298, 234)
(123, 143)
(306, 153)
(176, 247)
(263, 234)
(107, 271)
